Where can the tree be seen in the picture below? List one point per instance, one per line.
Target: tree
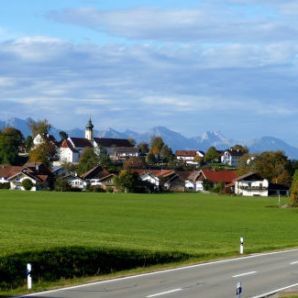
(150, 158)
(134, 163)
(104, 158)
(166, 154)
(88, 160)
(199, 159)
(143, 148)
(10, 141)
(127, 181)
(63, 135)
(159, 151)
(43, 153)
(246, 164)
(294, 194)
(62, 185)
(28, 143)
(272, 165)
(239, 148)
(212, 155)
(156, 145)
(132, 141)
(27, 184)
(41, 127)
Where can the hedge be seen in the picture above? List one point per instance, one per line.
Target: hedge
(71, 262)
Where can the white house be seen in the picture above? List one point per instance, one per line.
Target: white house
(190, 157)
(118, 149)
(75, 181)
(68, 153)
(231, 157)
(158, 178)
(251, 184)
(196, 179)
(98, 176)
(7, 171)
(40, 176)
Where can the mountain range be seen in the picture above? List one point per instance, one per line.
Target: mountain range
(173, 139)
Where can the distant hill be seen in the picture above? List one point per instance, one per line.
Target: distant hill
(268, 143)
(174, 139)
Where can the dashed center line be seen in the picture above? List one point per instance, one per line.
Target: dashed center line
(164, 293)
(294, 263)
(244, 274)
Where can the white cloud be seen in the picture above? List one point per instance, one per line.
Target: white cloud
(124, 85)
(34, 49)
(7, 82)
(209, 23)
(289, 8)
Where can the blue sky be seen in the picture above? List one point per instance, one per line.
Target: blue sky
(192, 66)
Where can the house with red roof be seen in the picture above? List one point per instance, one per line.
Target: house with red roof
(189, 157)
(40, 176)
(196, 178)
(7, 171)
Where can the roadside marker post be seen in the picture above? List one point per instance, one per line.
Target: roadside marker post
(238, 290)
(29, 277)
(241, 245)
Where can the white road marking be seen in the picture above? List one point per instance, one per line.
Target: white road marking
(211, 263)
(294, 263)
(164, 293)
(275, 291)
(244, 274)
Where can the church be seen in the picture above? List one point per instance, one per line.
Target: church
(118, 149)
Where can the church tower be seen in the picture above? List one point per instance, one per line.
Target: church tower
(89, 130)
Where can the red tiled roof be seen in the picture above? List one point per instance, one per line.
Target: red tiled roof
(157, 173)
(225, 176)
(8, 171)
(192, 153)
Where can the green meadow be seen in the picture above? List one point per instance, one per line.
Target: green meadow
(201, 226)
(187, 222)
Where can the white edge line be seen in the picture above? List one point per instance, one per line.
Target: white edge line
(244, 274)
(160, 272)
(275, 291)
(164, 293)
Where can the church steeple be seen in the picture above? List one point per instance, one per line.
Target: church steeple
(89, 130)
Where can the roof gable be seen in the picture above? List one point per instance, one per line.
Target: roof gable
(80, 142)
(109, 142)
(225, 176)
(7, 171)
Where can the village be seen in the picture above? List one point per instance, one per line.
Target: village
(113, 165)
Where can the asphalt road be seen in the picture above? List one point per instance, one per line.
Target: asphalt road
(258, 274)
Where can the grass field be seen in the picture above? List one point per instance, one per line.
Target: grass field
(191, 223)
(201, 225)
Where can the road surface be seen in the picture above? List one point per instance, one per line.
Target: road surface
(258, 274)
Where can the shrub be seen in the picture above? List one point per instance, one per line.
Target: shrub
(5, 185)
(219, 187)
(95, 188)
(208, 185)
(62, 185)
(70, 262)
(27, 184)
